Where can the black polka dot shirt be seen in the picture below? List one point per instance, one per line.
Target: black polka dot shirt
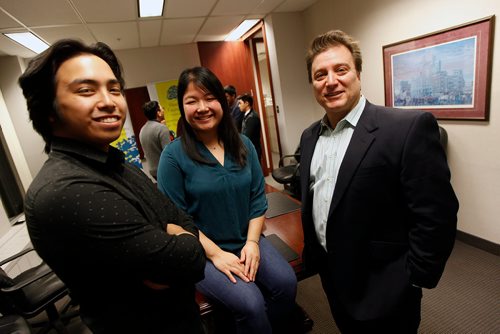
(100, 223)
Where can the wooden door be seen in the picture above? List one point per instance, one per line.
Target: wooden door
(136, 97)
(230, 62)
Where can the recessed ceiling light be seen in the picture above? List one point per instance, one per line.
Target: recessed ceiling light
(241, 29)
(28, 40)
(150, 8)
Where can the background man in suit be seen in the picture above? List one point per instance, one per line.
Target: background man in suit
(154, 135)
(230, 92)
(378, 209)
(250, 125)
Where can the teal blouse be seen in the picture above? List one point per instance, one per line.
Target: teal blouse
(221, 199)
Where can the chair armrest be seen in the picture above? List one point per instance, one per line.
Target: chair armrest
(35, 274)
(282, 159)
(15, 256)
(23, 280)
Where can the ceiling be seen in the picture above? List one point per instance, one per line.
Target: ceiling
(116, 23)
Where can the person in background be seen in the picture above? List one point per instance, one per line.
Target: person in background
(154, 135)
(250, 126)
(214, 174)
(127, 254)
(237, 116)
(179, 127)
(378, 210)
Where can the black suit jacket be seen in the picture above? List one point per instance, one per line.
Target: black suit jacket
(250, 127)
(392, 219)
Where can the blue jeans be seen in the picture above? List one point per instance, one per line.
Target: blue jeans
(256, 306)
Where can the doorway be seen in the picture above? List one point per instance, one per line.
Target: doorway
(265, 100)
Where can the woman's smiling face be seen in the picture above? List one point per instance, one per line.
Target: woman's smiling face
(202, 110)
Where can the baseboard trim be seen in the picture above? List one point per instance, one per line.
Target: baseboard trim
(480, 243)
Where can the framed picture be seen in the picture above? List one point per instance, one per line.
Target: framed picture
(447, 72)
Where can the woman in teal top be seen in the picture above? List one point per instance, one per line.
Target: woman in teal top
(214, 174)
(216, 193)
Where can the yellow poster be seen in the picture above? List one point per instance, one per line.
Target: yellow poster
(126, 143)
(167, 97)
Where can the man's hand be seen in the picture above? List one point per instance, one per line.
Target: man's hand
(155, 286)
(174, 229)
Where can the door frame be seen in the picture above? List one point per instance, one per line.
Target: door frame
(251, 39)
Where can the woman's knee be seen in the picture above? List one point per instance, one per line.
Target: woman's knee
(285, 286)
(253, 306)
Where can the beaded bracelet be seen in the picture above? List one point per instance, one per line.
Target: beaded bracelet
(253, 241)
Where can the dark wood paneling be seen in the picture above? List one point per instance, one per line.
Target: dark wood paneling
(230, 62)
(136, 97)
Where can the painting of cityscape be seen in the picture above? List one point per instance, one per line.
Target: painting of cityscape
(440, 76)
(446, 72)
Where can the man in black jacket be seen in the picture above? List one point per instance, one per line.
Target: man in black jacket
(250, 125)
(127, 254)
(378, 210)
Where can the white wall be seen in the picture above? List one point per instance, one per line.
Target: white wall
(30, 142)
(473, 147)
(14, 145)
(4, 220)
(292, 92)
(143, 66)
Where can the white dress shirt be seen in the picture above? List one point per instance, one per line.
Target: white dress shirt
(327, 158)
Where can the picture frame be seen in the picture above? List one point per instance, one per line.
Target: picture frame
(447, 72)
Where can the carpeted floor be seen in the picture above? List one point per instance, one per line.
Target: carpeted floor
(467, 299)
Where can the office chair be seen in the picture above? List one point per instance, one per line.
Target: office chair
(443, 138)
(32, 292)
(14, 324)
(288, 174)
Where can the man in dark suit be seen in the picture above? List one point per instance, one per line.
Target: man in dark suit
(230, 92)
(250, 125)
(378, 209)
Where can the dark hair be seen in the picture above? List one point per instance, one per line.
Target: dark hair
(230, 90)
(151, 109)
(38, 82)
(329, 39)
(246, 98)
(226, 130)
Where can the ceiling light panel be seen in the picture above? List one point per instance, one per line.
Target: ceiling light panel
(28, 40)
(150, 8)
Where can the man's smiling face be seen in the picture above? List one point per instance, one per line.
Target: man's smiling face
(90, 105)
(336, 83)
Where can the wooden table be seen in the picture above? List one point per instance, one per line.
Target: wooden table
(289, 228)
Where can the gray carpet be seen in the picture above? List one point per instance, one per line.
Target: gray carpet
(467, 299)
